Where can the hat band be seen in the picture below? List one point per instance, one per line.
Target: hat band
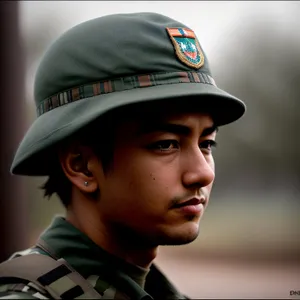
(121, 84)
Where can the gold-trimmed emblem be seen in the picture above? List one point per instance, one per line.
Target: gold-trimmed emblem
(186, 46)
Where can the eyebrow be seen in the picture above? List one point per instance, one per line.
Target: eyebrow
(174, 128)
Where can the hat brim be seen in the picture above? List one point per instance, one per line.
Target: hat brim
(33, 157)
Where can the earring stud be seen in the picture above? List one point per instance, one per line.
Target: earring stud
(86, 183)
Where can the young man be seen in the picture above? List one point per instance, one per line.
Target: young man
(127, 117)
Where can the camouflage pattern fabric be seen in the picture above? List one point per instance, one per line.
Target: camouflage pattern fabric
(108, 275)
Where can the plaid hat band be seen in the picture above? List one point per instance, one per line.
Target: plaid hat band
(121, 84)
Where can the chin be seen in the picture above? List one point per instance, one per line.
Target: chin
(180, 236)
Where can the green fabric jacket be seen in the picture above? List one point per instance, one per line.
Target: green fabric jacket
(94, 264)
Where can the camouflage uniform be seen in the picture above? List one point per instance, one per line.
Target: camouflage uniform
(110, 276)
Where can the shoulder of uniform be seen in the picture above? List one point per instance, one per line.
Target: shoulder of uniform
(17, 295)
(27, 252)
(21, 291)
(15, 288)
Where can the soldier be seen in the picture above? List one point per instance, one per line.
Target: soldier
(128, 113)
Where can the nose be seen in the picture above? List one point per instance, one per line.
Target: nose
(198, 169)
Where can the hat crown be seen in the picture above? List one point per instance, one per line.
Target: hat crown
(109, 47)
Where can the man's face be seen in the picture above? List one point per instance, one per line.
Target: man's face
(157, 166)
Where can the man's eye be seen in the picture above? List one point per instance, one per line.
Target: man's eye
(165, 145)
(208, 144)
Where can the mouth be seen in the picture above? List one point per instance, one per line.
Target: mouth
(193, 201)
(193, 206)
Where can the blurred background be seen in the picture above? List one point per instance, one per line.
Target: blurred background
(249, 243)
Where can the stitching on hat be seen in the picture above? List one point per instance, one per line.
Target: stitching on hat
(121, 84)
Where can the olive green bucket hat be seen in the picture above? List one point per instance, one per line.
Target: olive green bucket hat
(111, 62)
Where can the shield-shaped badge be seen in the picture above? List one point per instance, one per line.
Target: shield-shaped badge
(186, 46)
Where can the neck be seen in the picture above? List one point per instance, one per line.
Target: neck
(114, 239)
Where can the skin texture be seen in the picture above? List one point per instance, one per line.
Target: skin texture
(129, 210)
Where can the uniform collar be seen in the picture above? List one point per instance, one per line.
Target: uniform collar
(88, 259)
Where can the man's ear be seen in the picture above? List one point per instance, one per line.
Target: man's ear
(77, 163)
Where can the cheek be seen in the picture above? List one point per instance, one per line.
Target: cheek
(212, 163)
(141, 181)
(148, 180)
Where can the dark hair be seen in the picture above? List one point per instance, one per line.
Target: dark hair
(58, 183)
(103, 147)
